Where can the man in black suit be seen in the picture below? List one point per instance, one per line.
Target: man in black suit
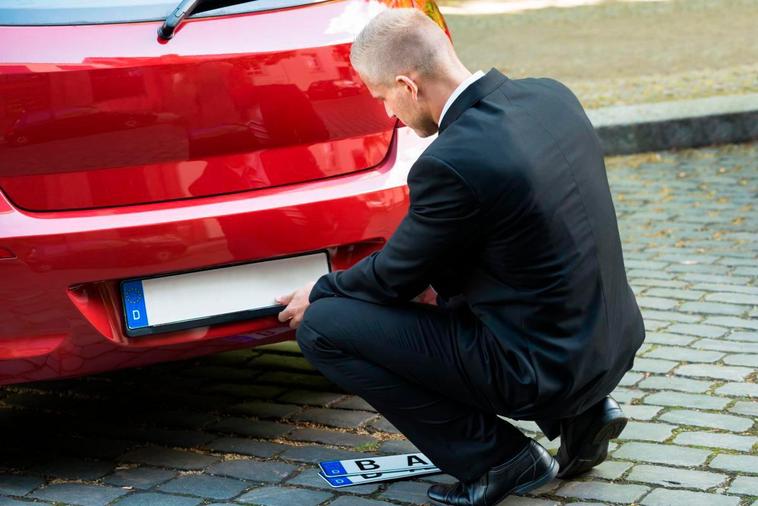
(511, 222)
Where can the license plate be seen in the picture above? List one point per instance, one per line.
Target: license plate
(224, 294)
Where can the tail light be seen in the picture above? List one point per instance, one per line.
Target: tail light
(428, 7)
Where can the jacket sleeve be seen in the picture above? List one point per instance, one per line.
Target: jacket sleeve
(443, 216)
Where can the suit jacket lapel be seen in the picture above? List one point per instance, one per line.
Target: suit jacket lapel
(471, 95)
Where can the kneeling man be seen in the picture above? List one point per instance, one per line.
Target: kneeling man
(511, 222)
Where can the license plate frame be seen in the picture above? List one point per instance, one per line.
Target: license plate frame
(136, 293)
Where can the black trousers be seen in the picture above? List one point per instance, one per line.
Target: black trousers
(427, 369)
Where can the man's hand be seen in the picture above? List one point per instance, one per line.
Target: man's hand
(297, 303)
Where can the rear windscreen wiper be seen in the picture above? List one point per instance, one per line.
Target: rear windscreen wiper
(184, 9)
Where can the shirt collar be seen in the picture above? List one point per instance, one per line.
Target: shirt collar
(465, 84)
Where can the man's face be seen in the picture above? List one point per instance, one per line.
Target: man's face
(405, 101)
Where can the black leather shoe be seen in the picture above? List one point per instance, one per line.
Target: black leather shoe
(531, 468)
(584, 438)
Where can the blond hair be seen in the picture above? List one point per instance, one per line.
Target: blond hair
(399, 41)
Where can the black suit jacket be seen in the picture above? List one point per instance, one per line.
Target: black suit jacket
(510, 210)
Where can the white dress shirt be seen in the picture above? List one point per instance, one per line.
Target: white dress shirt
(465, 84)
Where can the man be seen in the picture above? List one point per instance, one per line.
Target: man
(511, 222)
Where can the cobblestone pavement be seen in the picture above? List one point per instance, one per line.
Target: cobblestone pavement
(247, 427)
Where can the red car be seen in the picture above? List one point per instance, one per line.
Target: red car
(157, 191)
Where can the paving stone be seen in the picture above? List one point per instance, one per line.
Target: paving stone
(640, 412)
(166, 457)
(310, 478)
(724, 372)
(675, 293)
(141, 478)
(698, 330)
(676, 399)
(712, 308)
(653, 365)
(627, 395)
(674, 383)
(79, 493)
(7, 501)
(667, 497)
(732, 322)
(331, 437)
(310, 398)
(277, 361)
(247, 391)
(630, 379)
(716, 440)
(353, 402)
(674, 477)
(298, 380)
(662, 454)
(684, 354)
(407, 491)
(12, 484)
(609, 470)
(739, 389)
(212, 487)
(656, 303)
(253, 470)
(668, 339)
(381, 424)
(335, 417)
(515, 500)
(745, 408)
(314, 454)
(73, 468)
(713, 420)
(745, 485)
(746, 359)
(262, 409)
(357, 501)
(602, 491)
(246, 447)
(708, 278)
(152, 498)
(738, 463)
(646, 431)
(398, 447)
(728, 346)
(670, 316)
(743, 336)
(280, 496)
(252, 428)
(733, 298)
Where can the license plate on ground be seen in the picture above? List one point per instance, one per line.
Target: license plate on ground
(194, 299)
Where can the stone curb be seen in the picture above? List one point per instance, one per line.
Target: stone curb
(680, 124)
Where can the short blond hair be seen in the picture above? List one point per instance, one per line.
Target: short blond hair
(397, 41)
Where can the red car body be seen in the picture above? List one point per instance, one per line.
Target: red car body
(245, 137)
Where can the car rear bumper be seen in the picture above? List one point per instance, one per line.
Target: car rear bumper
(60, 310)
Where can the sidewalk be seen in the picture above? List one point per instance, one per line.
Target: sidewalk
(247, 427)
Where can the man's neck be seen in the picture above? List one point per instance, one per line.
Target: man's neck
(443, 89)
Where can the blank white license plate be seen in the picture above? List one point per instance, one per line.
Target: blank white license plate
(223, 294)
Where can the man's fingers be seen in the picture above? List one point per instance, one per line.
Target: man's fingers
(285, 315)
(285, 299)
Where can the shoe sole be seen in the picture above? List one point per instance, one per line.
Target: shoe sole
(610, 430)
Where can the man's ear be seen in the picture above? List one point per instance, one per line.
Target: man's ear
(409, 84)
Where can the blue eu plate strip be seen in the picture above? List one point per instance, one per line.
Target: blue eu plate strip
(337, 481)
(134, 303)
(332, 468)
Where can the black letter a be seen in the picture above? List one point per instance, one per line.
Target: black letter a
(412, 459)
